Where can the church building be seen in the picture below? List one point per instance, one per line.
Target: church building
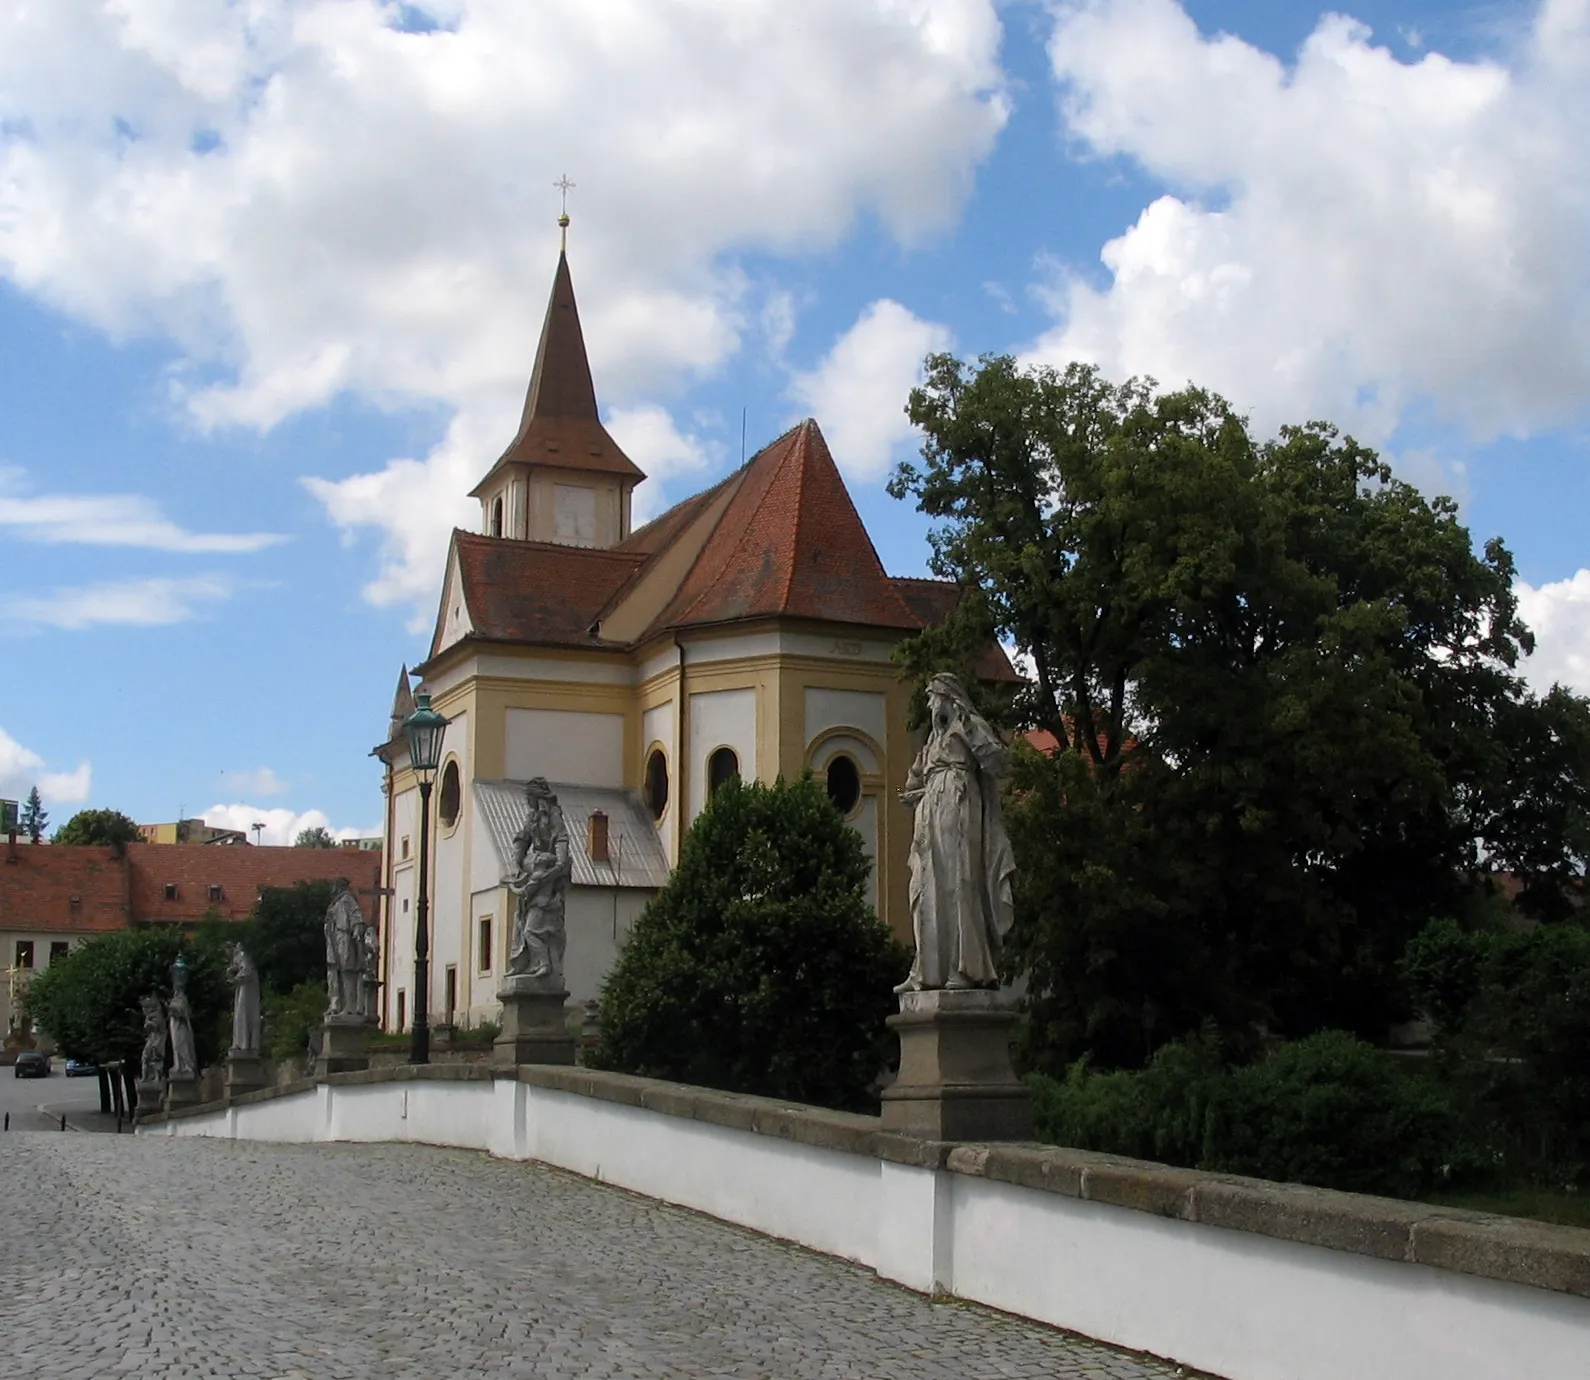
(745, 632)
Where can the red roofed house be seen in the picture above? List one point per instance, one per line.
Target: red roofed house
(54, 896)
(745, 631)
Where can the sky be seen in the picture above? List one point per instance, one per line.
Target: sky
(272, 272)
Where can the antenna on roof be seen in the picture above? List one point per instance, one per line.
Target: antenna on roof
(742, 435)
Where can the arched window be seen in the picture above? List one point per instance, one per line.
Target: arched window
(844, 783)
(657, 783)
(722, 766)
(496, 516)
(447, 805)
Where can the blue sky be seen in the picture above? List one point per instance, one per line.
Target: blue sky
(271, 275)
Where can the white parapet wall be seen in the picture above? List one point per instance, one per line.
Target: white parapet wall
(1238, 1277)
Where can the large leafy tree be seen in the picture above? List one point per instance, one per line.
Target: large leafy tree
(285, 936)
(88, 1002)
(759, 967)
(315, 836)
(1283, 684)
(98, 827)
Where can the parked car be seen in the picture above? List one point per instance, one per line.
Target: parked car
(31, 1064)
(81, 1068)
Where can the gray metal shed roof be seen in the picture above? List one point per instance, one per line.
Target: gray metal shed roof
(637, 858)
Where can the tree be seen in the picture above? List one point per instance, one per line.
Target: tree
(102, 827)
(759, 967)
(34, 819)
(1283, 684)
(285, 935)
(315, 836)
(88, 1002)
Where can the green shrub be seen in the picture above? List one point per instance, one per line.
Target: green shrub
(759, 967)
(1328, 1110)
(289, 1019)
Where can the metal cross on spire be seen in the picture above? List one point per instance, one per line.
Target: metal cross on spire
(565, 186)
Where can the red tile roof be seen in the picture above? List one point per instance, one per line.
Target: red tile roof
(64, 890)
(933, 601)
(195, 868)
(560, 425)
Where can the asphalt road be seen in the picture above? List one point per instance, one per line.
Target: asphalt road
(21, 1097)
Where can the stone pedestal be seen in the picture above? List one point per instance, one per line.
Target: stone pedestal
(956, 1081)
(150, 1099)
(535, 1025)
(182, 1090)
(342, 1046)
(245, 1073)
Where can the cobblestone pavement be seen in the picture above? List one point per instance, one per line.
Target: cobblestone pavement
(177, 1258)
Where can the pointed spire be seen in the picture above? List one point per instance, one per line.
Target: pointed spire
(561, 426)
(402, 705)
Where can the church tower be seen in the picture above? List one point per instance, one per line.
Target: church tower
(563, 479)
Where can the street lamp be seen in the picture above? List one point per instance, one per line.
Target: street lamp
(423, 729)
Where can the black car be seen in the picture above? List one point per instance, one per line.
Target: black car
(32, 1064)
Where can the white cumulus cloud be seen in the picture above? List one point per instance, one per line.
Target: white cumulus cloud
(256, 781)
(281, 826)
(311, 199)
(156, 601)
(1346, 234)
(21, 769)
(859, 388)
(651, 431)
(1558, 613)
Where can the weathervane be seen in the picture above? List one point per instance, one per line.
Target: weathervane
(565, 186)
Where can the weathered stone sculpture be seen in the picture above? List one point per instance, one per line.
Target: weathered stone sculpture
(961, 861)
(370, 974)
(182, 1079)
(153, 1064)
(956, 1080)
(245, 1068)
(540, 881)
(534, 1022)
(344, 925)
(244, 977)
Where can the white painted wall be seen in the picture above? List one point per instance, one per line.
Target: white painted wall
(720, 718)
(566, 745)
(1240, 1305)
(863, 709)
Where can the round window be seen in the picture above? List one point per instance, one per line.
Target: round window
(722, 766)
(447, 804)
(657, 783)
(844, 783)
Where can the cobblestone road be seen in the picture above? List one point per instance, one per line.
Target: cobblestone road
(161, 1258)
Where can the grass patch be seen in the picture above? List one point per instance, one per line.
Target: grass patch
(1535, 1204)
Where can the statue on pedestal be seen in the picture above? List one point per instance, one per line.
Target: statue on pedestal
(344, 925)
(244, 977)
(153, 1064)
(370, 974)
(961, 860)
(179, 1017)
(540, 880)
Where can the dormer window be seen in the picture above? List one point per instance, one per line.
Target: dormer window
(171, 891)
(215, 891)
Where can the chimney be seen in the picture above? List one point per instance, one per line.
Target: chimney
(597, 837)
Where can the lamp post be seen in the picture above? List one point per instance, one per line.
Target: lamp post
(423, 729)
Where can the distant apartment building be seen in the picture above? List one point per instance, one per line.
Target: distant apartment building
(52, 899)
(189, 831)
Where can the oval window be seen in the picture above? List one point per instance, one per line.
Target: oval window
(722, 766)
(657, 783)
(844, 783)
(447, 804)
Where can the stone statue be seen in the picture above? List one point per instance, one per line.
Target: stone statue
(370, 974)
(540, 881)
(179, 1017)
(245, 1001)
(961, 861)
(154, 1058)
(344, 951)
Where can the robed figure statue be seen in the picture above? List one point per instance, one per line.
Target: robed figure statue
(540, 880)
(961, 861)
(179, 1018)
(244, 977)
(344, 927)
(153, 1064)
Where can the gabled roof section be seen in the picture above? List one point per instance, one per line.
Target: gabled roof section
(402, 705)
(535, 592)
(790, 543)
(933, 601)
(560, 425)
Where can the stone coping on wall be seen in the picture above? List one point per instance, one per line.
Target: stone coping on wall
(1537, 1254)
